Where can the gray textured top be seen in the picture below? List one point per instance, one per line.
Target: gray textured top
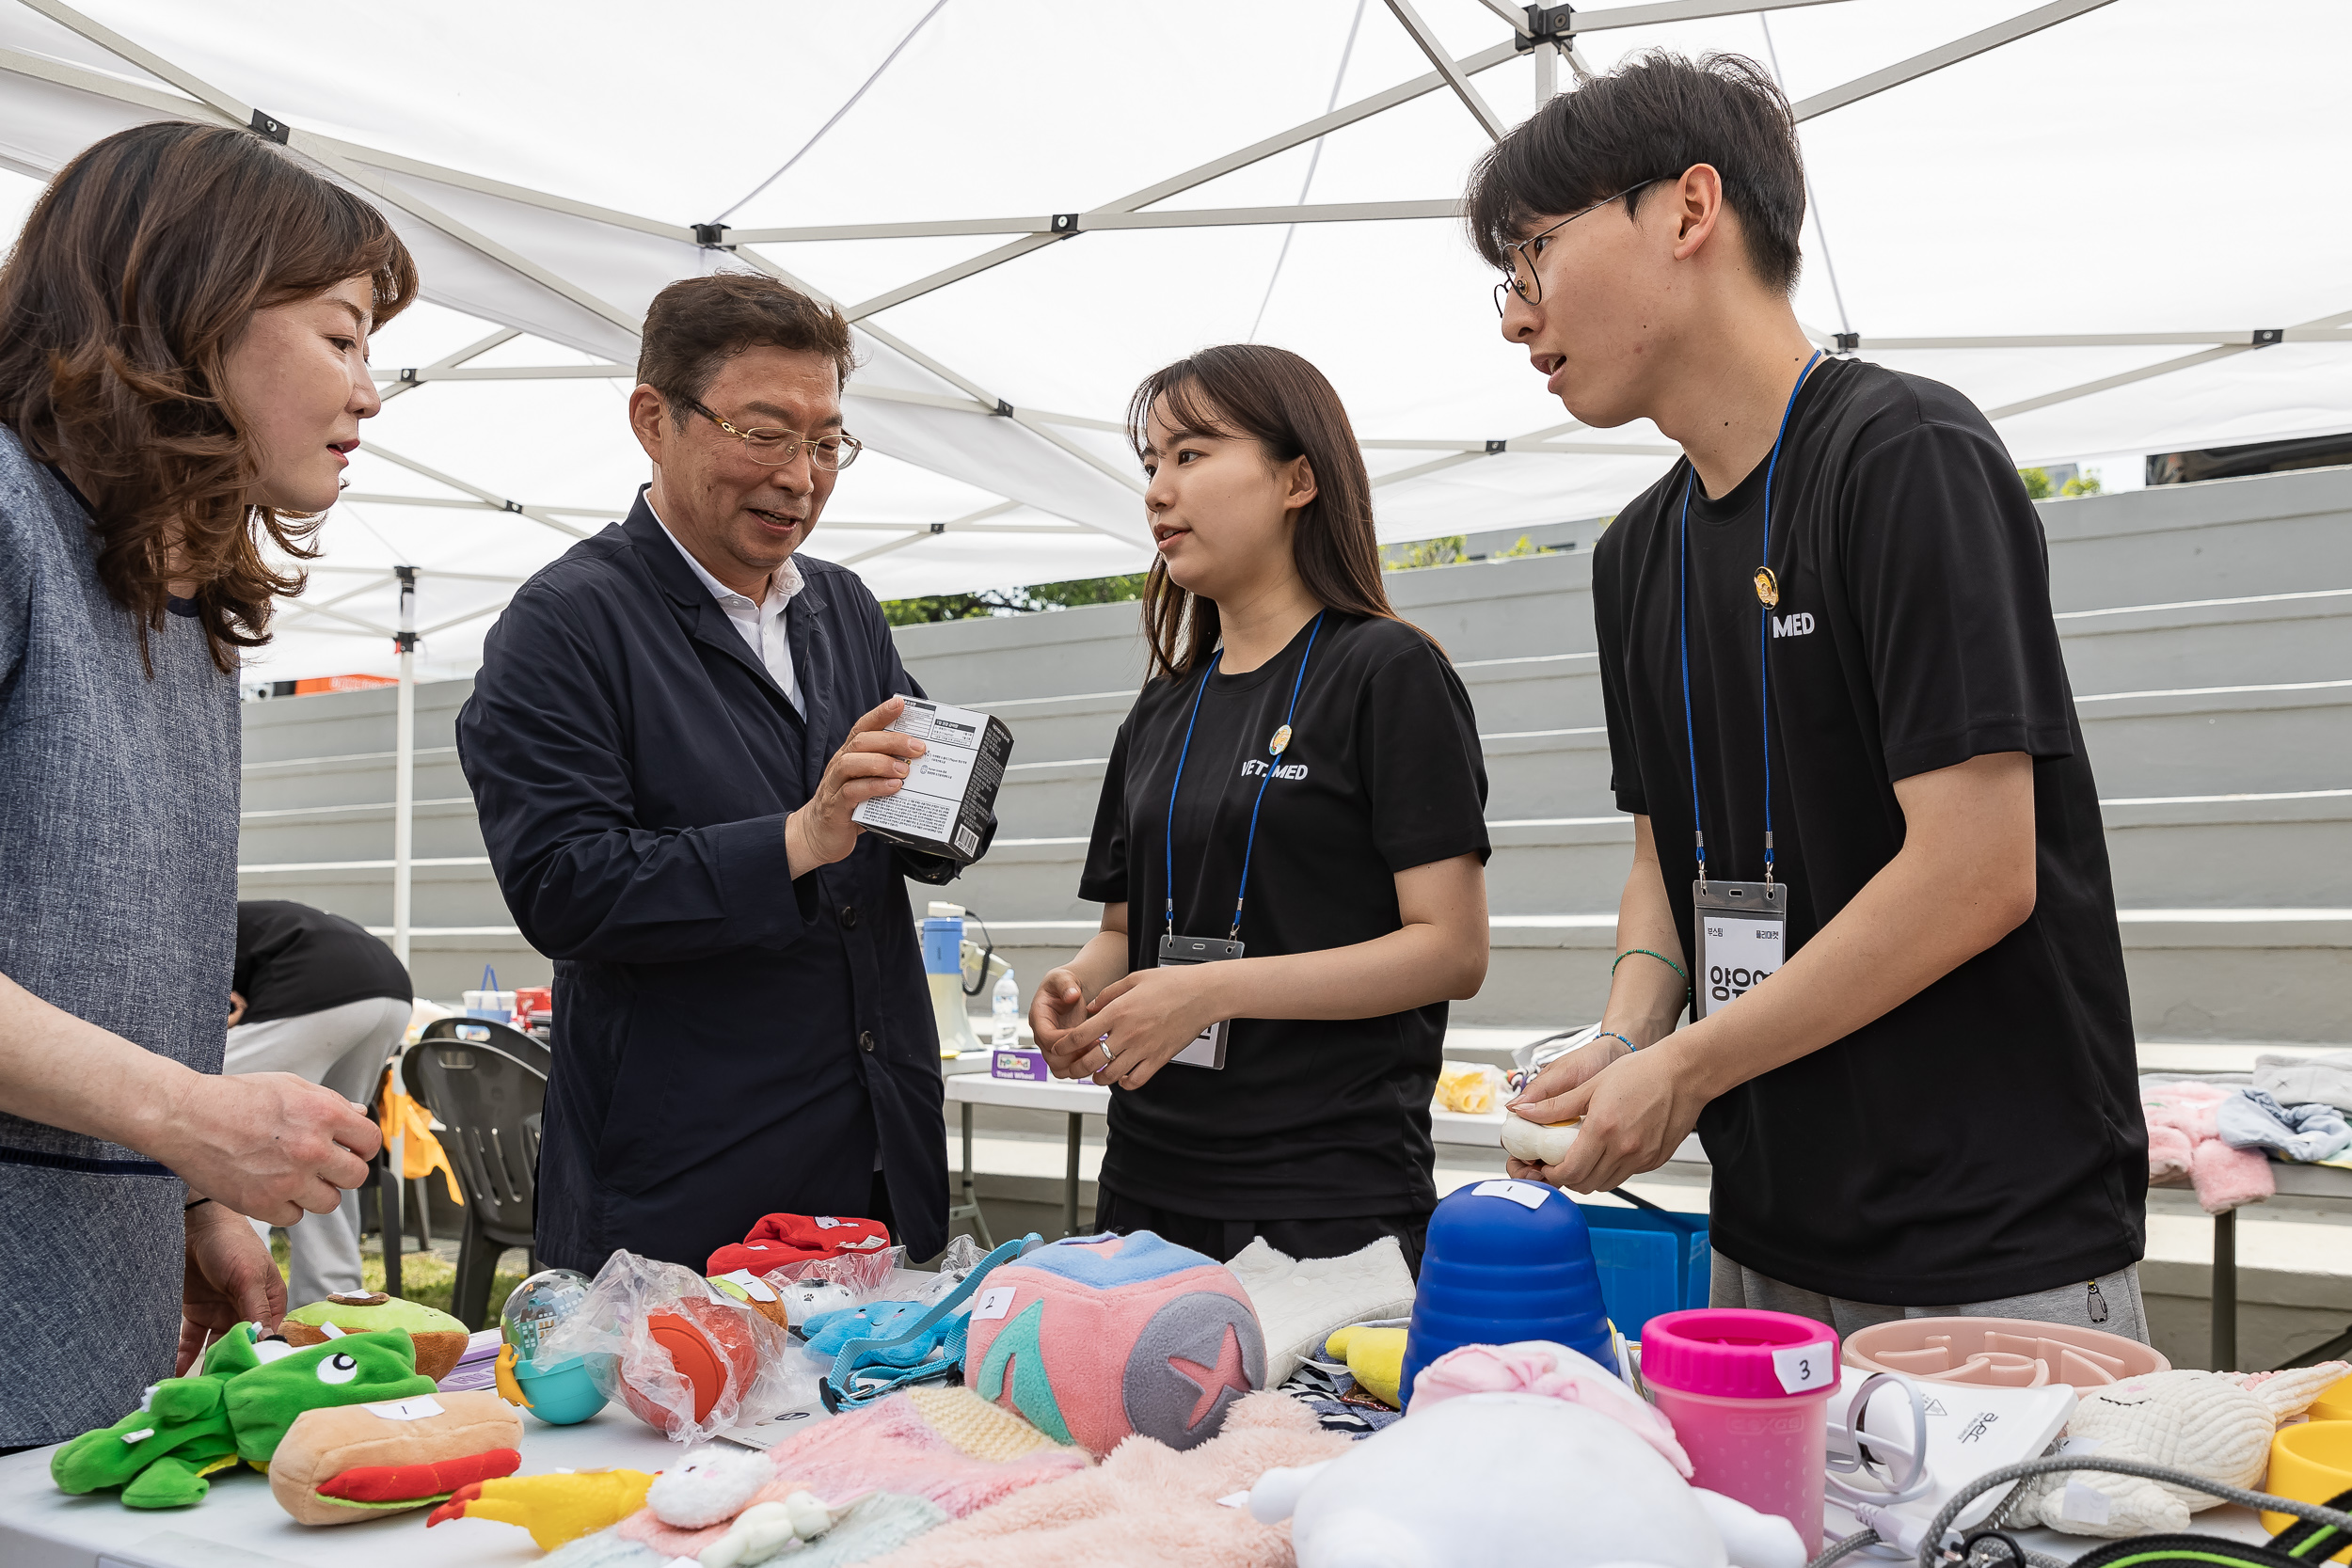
(118, 807)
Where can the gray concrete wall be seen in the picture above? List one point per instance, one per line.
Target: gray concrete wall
(2221, 735)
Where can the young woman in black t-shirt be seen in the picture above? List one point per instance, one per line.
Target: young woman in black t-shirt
(1300, 777)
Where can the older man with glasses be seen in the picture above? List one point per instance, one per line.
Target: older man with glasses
(671, 727)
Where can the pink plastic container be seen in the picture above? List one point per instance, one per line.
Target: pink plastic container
(1748, 1395)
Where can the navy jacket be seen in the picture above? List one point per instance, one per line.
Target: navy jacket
(728, 1042)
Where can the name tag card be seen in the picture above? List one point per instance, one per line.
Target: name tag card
(1208, 1048)
(1740, 927)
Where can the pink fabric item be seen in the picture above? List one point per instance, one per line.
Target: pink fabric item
(1146, 1505)
(885, 1448)
(2225, 1177)
(1539, 1367)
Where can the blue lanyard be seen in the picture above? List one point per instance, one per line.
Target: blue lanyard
(1168, 841)
(1763, 641)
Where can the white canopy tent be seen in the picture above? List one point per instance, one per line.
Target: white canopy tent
(2108, 221)
(2100, 218)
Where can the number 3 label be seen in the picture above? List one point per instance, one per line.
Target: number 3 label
(1803, 1367)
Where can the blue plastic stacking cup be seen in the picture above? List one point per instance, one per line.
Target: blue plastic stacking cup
(1505, 1261)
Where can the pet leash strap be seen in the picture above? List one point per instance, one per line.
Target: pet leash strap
(845, 1364)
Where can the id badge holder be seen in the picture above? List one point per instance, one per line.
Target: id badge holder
(1741, 929)
(1207, 1049)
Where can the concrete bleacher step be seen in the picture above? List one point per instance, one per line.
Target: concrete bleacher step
(2289, 735)
(2277, 853)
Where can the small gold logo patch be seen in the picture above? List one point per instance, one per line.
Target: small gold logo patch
(1280, 742)
(1767, 586)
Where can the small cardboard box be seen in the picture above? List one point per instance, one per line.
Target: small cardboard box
(943, 806)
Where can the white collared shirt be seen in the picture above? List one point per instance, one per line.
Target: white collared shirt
(760, 622)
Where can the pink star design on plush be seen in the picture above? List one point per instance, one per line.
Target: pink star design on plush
(1213, 1381)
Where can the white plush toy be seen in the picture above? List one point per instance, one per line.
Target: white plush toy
(716, 1485)
(1572, 1479)
(2217, 1425)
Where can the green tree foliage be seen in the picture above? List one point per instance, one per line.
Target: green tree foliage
(1427, 552)
(1014, 601)
(2038, 483)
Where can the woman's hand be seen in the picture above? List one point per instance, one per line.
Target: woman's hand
(1149, 1017)
(1564, 1073)
(872, 763)
(266, 1144)
(231, 1279)
(1057, 1017)
(1632, 1116)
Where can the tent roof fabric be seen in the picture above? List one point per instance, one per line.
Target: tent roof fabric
(2078, 213)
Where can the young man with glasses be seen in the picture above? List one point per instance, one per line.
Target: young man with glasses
(670, 728)
(1864, 828)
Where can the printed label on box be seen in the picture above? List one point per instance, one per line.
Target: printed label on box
(943, 805)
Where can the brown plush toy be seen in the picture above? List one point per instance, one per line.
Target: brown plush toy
(359, 1460)
(440, 1338)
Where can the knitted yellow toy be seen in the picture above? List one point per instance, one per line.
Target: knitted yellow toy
(553, 1508)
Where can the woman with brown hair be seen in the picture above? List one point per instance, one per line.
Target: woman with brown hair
(1290, 849)
(183, 330)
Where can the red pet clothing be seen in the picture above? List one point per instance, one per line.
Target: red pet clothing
(781, 1239)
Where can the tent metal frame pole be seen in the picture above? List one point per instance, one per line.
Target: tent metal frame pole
(1675, 10)
(1298, 135)
(1061, 225)
(404, 764)
(2025, 24)
(322, 152)
(1442, 58)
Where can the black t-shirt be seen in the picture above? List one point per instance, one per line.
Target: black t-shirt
(1310, 1118)
(1985, 1138)
(293, 959)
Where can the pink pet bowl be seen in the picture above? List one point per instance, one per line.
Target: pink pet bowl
(2002, 1353)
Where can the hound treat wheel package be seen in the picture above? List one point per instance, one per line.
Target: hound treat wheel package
(1094, 1338)
(943, 808)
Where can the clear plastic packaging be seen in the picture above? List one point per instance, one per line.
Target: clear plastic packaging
(1532, 1058)
(816, 1286)
(956, 1264)
(689, 1361)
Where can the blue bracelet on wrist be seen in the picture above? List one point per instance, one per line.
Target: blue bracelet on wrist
(1613, 1035)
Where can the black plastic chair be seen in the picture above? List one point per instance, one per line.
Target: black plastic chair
(488, 1084)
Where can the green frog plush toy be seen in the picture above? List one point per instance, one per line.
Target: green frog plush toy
(239, 1407)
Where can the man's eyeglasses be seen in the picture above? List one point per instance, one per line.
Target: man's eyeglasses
(776, 448)
(1524, 280)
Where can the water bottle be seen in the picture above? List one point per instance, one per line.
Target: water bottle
(1006, 1004)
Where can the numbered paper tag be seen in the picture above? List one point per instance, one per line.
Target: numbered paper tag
(1526, 1194)
(414, 1409)
(750, 1284)
(1804, 1367)
(994, 1302)
(825, 1222)
(1741, 929)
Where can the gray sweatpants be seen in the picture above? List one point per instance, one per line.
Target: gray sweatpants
(2111, 1302)
(344, 1049)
